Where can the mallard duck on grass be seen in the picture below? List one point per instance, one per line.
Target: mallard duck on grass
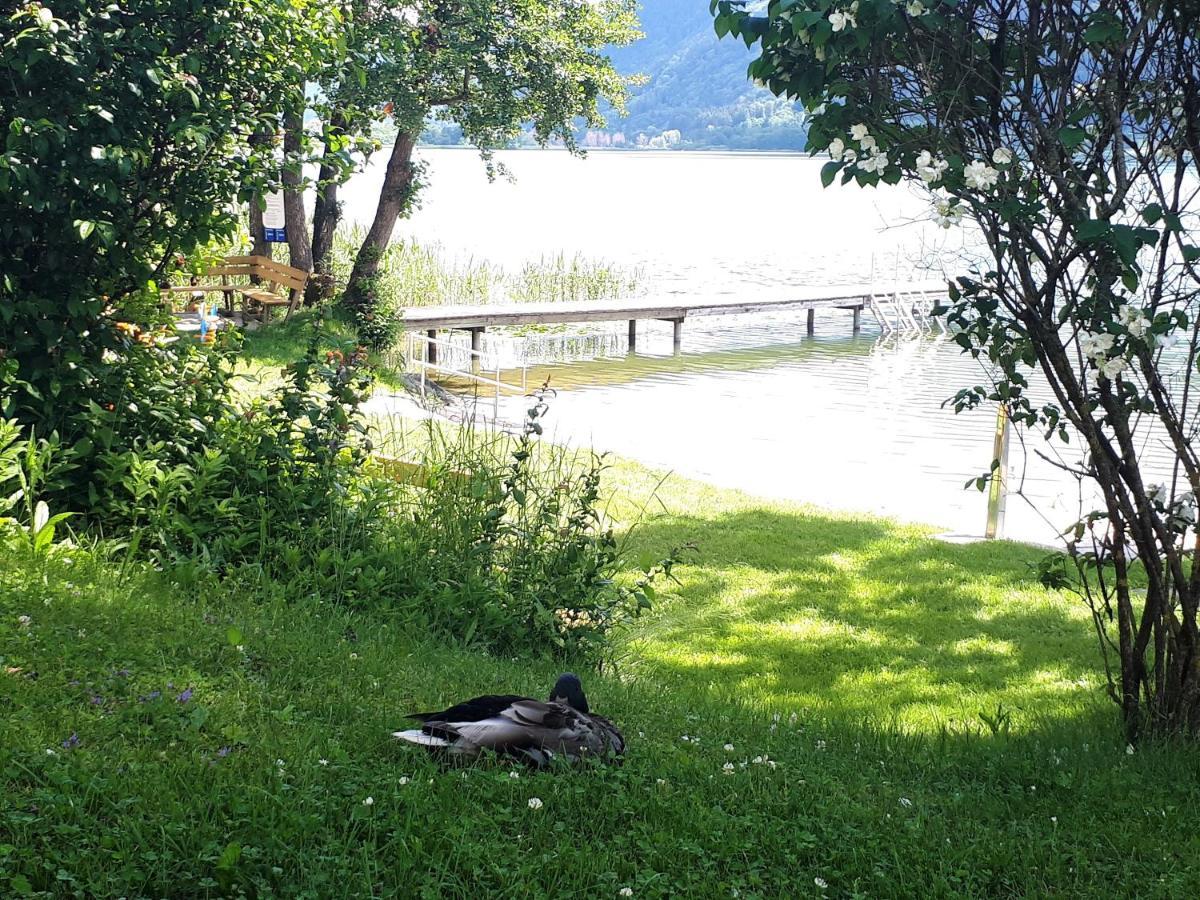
(533, 730)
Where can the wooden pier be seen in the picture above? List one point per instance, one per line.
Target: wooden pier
(671, 308)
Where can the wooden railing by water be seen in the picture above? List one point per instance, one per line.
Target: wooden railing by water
(670, 308)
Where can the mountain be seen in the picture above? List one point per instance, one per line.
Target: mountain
(697, 95)
(697, 86)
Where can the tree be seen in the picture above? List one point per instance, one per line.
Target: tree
(490, 66)
(1070, 133)
(127, 132)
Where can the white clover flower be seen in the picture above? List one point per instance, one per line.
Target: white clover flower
(280, 763)
(915, 8)
(859, 131)
(728, 748)
(1002, 156)
(403, 780)
(1096, 346)
(24, 621)
(660, 781)
(368, 801)
(980, 176)
(1054, 820)
(50, 752)
(514, 775)
(820, 745)
(535, 803)
(625, 892)
(1111, 368)
(836, 149)
(322, 761)
(821, 883)
(727, 768)
(758, 760)
(1129, 749)
(905, 802)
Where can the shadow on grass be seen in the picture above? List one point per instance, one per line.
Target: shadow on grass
(865, 618)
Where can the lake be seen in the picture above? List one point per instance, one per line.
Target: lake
(851, 422)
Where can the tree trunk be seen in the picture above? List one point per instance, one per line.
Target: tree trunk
(394, 198)
(258, 236)
(299, 246)
(327, 213)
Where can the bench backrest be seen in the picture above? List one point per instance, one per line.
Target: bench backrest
(261, 267)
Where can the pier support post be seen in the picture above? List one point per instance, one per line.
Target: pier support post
(632, 334)
(998, 489)
(812, 320)
(431, 349)
(857, 319)
(677, 337)
(476, 340)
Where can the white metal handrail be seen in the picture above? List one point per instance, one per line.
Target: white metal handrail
(422, 360)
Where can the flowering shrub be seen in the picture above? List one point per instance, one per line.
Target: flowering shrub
(1070, 134)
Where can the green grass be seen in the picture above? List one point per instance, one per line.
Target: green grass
(857, 655)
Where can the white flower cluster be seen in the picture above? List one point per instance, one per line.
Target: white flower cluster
(914, 8)
(840, 20)
(871, 159)
(979, 176)
(947, 212)
(1096, 348)
(929, 168)
(1134, 320)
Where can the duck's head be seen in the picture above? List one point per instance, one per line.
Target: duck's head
(569, 690)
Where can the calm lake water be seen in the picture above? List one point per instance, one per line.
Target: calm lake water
(753, 402)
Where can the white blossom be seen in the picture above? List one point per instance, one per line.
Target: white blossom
(322, 761)
(728, 748)
(1002, 156)
(1157, 493)
(514, 775)
(836, 149)
(402, 780)
(915, 8)
(535, 803)
(409, 15)
(868, 144)
(980, 176)
(859, 131)
(24, 621)
(1133, 319)
(727, 768)
(821, 883)
(947, 213)
(1111, 368)
(930, 169)
(625, 892)
(1167, 341)
(368, 801)
(1096, 346)
(850, 155)
(905, 802)
(841, 20)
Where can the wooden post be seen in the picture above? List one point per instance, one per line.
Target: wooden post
(857, 319)
(476, 336)
(431, 349)
(632, 334)
(677, 337)
(812, 320)
(998, 489)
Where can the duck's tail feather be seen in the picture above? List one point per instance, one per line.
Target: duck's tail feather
(417, 736)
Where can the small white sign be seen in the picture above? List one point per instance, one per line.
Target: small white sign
(274, 220)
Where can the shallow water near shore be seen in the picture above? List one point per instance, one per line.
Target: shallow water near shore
(846, 421)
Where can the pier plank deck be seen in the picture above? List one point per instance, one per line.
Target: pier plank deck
(670, 307)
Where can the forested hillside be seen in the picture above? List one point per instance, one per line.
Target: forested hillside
(696, 94)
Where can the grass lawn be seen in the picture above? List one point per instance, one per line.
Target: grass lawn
(224, 739)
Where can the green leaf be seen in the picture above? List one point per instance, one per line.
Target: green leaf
(19, 883)
(1152, 213)
(84, 228)
(1071, 136)
(829, 172)
(1191, 252)
(233, 636)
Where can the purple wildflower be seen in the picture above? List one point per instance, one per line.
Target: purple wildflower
(153, 695)
(71, 742)
(185, 696)
(122, 673)
(97, 700)
(224, 752)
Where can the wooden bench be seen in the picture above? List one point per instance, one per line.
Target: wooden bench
(279, 285)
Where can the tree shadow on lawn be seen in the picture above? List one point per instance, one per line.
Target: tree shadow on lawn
(865, 618)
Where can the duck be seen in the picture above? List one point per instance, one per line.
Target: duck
(535, 731)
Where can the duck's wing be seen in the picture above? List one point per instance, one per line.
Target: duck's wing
(471, 710)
